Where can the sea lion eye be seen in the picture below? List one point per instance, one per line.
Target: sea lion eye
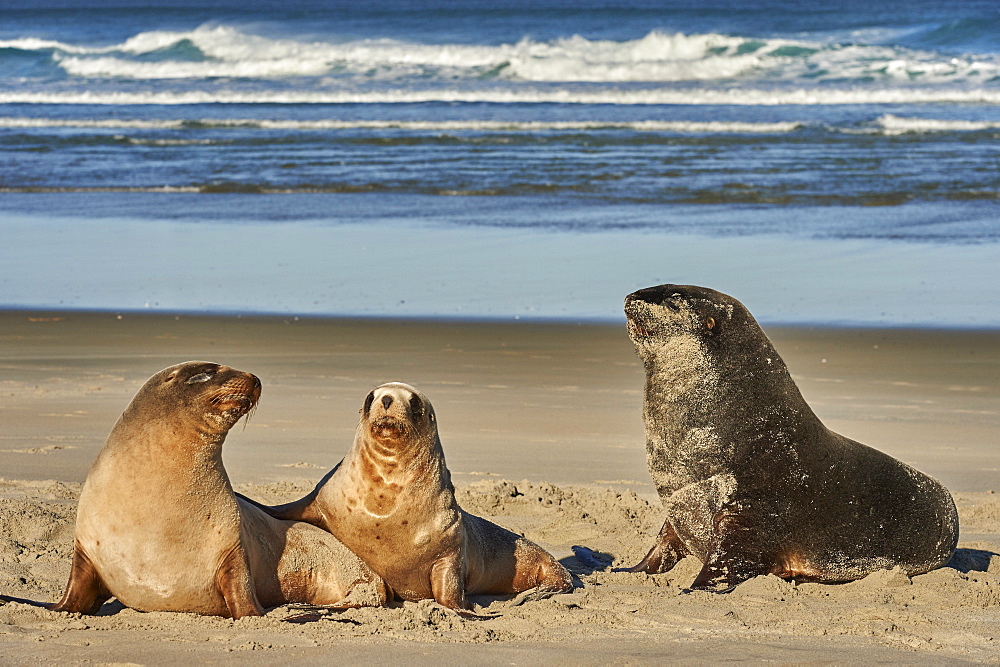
(416, 406)
(710, 323)
(672, 302)
(368, 402)
(200, 377)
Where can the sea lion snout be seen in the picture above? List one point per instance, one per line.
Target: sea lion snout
(396, 399)
(388, 428)
(665, 311)
(395, 410)
(388, 412)
(201, 385)
(241, 389)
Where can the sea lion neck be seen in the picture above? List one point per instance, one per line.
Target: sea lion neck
(393, 479)
(729, 370)
(703, 389)
(407, 458)
(171, 440)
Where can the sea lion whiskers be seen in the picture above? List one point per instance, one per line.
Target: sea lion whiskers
(249, 413)
(390, 429)
(242, 393)
(238, 389)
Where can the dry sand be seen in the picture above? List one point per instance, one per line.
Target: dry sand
(542, 428)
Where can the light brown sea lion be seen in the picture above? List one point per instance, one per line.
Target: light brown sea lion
(752, 481)
(159, 528)
(391, 501)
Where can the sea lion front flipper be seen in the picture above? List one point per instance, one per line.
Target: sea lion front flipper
(667, 551)
(85, 591)
(735, 556)
(448, 583)
(303, 509)
(297, 510)
(236, 585)
(448, 588)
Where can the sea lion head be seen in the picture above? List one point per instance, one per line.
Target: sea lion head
(396, 413)
(210, 396)
(665, 311)
(716, 324)
(703, 339)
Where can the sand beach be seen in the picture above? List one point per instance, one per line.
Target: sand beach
(542, 429)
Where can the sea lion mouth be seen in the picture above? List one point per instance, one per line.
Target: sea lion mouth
(389, 428)
(242, 400)
(636, 330)
(239, 395)
(639, 327)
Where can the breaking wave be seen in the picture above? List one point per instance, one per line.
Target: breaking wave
(222, 51)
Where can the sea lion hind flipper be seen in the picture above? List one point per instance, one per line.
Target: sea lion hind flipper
(540, 592)
(552, 578)
(234, 582)
(85, 591)
(293, 511)
(667, 551)
(303, 509)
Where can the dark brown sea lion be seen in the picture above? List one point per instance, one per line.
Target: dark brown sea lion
(391, 501)
(159, 528)
(752, 481)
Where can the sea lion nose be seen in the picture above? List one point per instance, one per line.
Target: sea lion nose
(386, 402)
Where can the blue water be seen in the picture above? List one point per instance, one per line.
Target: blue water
(851, 120)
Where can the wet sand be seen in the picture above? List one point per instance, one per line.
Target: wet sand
(542, 429)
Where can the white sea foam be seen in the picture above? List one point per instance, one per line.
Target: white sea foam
(891, 124)
(739, 96)
(656, 57)
(886, 124)
(113, 123)
(128, 69)
(37, 44)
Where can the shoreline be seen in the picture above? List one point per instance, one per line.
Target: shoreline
(46, 313)
(403, 260)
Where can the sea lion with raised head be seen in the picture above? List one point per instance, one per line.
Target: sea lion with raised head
(391, 501)
(159, 527)
(752, 481)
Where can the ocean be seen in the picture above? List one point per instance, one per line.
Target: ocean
(828, 165)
